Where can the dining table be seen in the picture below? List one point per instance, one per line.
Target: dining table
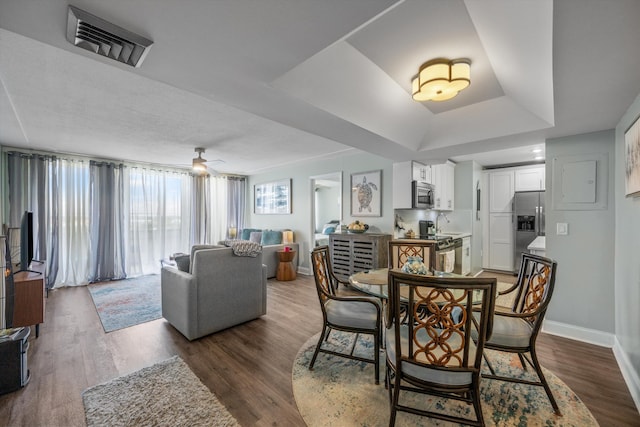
(375, 282)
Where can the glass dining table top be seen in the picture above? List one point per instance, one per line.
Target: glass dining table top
(375, 282)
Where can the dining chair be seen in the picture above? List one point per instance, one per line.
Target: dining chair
(401, 249)
(430, 350)
(516, 328)
(355, 314)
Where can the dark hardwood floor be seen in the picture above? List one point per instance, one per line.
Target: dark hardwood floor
(248, 367)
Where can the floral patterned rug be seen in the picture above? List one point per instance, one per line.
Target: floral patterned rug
(341, 391)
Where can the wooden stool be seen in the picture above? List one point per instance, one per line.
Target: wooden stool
(286, 270)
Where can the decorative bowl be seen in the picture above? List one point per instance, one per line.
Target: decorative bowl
(356, 231)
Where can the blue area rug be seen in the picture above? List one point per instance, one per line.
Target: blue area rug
(128, 302)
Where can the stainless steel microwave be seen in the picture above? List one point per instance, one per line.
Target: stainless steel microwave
(422, 195)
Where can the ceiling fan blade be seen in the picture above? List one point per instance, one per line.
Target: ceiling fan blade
(212, 162)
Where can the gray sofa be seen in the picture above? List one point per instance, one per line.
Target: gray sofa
(220, 290)
(271, 241)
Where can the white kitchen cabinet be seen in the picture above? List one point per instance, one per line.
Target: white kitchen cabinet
(421, 172)
(466, 256)
(501, 188)
(443, 177)
(503, 183)
(530, 178)
(403, 174)
(500, 229)
(500, 241)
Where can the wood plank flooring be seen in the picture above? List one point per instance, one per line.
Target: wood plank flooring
(248, 367)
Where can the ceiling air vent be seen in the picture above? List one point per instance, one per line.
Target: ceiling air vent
(104, 38)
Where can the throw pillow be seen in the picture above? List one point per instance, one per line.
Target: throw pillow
(271, 237)
(255, 236)
(246, 233)
(182, 262)
(328, 229)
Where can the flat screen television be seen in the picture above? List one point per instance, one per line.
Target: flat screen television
(26, 240)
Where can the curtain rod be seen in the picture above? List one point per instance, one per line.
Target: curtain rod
(132, 164)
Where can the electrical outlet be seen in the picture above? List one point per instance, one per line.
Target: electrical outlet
(562, 228)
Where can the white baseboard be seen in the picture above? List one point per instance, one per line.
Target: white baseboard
(602, 339)
(304, 270)
(629, 374)
(591, 336)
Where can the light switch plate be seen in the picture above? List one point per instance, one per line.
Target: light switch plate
(562, 228)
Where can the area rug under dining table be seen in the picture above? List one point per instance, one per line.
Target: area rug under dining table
(341, 391)
(128, 302)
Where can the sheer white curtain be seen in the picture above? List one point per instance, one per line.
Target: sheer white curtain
(161, 210)
(158, 205)
(74, 220)
(218, 202)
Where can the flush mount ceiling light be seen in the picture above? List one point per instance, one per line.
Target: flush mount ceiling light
(441, 79)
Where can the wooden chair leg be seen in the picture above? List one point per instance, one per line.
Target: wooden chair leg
(315, 353)
(522, 361)
(543, 380)
(376, 357)
(477, 406)
(394, 401)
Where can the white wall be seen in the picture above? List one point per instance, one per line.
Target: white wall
(627, 265)
(300, 218)
(327, 205)
(584, 291)
(4, 198)
(468, 174)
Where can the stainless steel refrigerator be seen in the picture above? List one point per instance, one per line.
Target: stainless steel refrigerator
(528, 211)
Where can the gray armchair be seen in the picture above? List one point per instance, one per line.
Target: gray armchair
(221, 290)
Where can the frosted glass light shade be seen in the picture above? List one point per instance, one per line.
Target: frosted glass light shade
(441, 79)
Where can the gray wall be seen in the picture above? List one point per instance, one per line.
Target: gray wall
(300, 218)
(584, 292)
(627, 262)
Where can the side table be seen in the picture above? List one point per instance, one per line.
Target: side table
(286, 270)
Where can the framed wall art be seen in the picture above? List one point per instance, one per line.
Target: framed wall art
(632, 159)
(272, 197)
(366, 193)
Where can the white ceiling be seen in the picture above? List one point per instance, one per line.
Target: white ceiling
(262, 84)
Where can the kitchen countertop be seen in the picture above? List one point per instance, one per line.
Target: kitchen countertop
(538, 244)
(453, 235)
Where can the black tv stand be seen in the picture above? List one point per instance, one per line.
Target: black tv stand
(27, 270)
(32, 271)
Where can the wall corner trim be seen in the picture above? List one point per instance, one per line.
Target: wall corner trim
(628, 373)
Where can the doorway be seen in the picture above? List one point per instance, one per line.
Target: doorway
(326, 206)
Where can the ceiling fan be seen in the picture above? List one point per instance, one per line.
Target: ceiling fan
(201, 165)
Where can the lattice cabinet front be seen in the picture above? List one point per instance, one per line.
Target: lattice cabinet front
(351, 253)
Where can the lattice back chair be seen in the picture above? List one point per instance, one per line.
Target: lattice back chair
(399, 252)
(436, 347)
(401, 249)
(355, 314)
(515, 330)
